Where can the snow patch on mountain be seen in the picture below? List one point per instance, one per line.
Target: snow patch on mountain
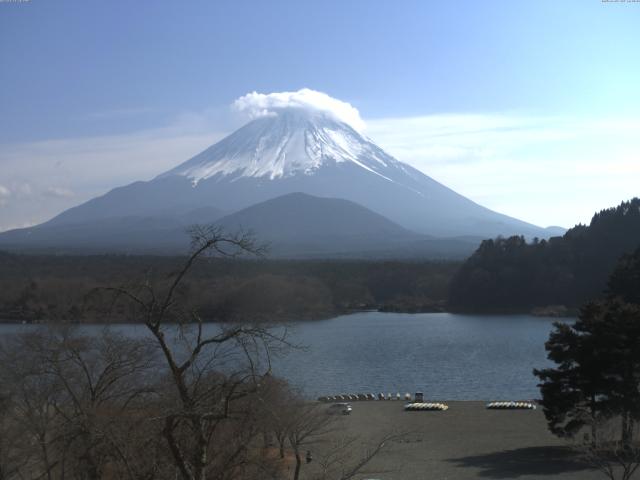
(288, 142)
(293, 146)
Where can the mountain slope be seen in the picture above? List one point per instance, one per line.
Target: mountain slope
(295, 225)
(301, 151)
(298, 215)
(161, 234)
(301, 225)
(293, 150)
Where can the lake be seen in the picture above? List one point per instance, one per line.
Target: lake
(446, 356)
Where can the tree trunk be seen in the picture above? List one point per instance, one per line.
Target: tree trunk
(176, 453)
(627, 426)
(594, 422)
(45, 456)
(201, 460)
(296, 473)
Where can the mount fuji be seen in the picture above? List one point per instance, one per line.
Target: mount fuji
(286, 151)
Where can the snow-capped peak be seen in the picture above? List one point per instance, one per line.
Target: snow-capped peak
(288, 142)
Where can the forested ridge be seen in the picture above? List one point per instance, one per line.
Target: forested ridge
(511, 274)
(59, 288)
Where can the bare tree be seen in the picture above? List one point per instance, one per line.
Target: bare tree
(608, 453)
(341, 460)
(303, 426)
(306, 424)
(76, 399)
(13, 458)
(189, 399)
(274, 399)
(211, 369)
(32, 399)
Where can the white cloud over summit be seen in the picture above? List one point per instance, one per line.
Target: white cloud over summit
(542, 169)
(258, 104)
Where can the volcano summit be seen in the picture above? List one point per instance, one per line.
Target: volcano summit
(287, 149)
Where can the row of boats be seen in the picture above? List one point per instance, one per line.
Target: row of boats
(418, 404)
(511, 406)
(421, 406)
(364, 397)
(492, 406)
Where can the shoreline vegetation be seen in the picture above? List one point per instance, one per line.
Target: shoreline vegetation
(552, 311)
(62, 288)
(65, 288)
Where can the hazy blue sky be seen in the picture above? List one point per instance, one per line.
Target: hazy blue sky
(529, 107)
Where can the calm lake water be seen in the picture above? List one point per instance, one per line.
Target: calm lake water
(447, 356)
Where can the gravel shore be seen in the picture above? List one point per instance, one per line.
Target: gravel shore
(465, 442)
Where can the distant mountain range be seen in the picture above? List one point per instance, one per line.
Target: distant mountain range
(305, 182)
(295, 225)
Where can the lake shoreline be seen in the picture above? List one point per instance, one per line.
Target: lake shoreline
(463, 357)
(549, 311)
